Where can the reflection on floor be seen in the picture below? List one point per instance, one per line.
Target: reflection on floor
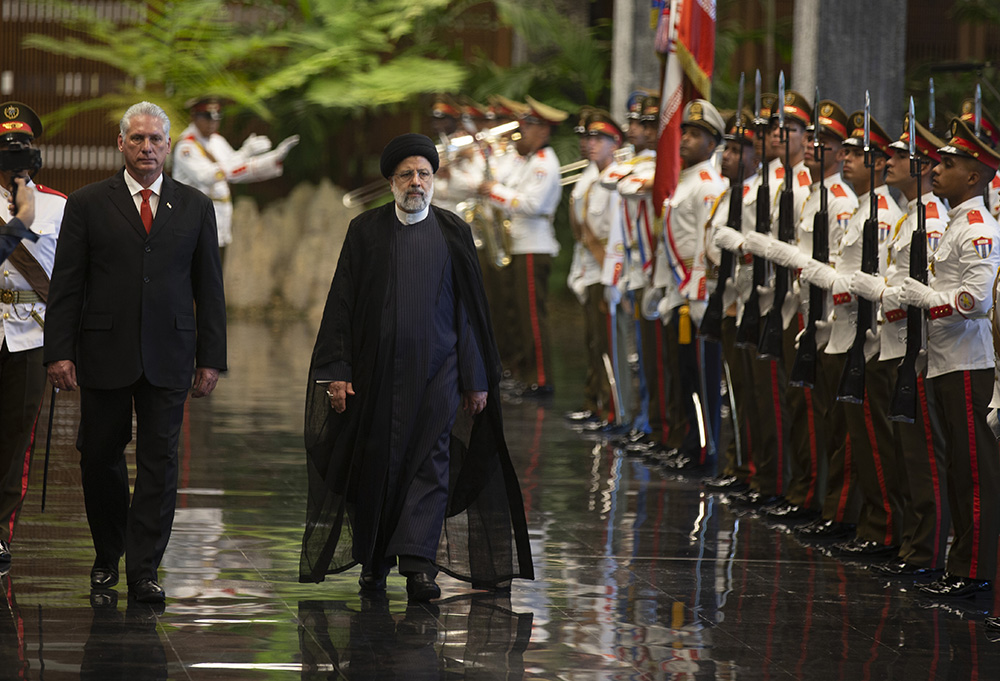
(639, 574)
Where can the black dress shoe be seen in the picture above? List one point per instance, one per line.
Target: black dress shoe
(103, 577)
(4, 552)
(421, 587)
(724, 483)
(901, 568)
(146, 590)
(992, 623)
(540, 391)
(865, 548)
(953, 586)
(368, 581)
(825, 529)
(580, 415)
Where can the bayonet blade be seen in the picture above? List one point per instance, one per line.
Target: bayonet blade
(913, 132)
(781, 100)
(979, 109)
(756, 95)
(868, 121)
(933, 113)
(739, 105)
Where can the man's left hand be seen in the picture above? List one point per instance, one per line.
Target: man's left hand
(486, 187)
(204, 381)
(473, 402)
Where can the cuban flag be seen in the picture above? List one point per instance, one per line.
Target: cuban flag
(984, 246)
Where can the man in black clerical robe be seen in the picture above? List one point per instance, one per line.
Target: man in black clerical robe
(406, 456)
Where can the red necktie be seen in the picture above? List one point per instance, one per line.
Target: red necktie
(145, 210)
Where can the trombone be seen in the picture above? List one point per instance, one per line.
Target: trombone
(446, 149)
(571, 172)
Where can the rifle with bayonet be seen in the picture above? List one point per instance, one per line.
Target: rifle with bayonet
(852, 380)
(904, 401)
(804, 367)
(770, 346)
(748, 331)
(711, 323)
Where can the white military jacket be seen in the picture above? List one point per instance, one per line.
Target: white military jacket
(209, 165)
(963, 267)
(847, 261)
(893, 313)
(20, 328)
(631, 250)
(681, 264)
(528, 190)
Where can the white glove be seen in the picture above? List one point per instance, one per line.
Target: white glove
(728, 239)
(255, 144)
(921, 295)
(818, 274)
(612, 295)
(286, 146)
(867, 286)
(757, 243)
(786, 255)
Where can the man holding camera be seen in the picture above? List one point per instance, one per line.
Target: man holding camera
(23, 292)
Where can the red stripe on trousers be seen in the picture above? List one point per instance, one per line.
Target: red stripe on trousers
(780, 432)
(533, 313)
(25, 469)
(970, 424)
(845, 487)
(813, 447)
(879, 472)
(925, 414)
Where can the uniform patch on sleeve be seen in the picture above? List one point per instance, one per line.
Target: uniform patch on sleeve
(705, 175)
(804, 179)
(931, 211)
(965, 302)
(838, 191)
(974, 217)
(843, 219)
(933, 240)
(883, 231)
(984, 244)
(185, 152)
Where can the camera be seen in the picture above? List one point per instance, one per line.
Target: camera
(18, 155)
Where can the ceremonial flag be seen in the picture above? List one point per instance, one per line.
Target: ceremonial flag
(685, 35)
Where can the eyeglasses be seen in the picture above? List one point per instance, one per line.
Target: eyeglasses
(407, 175)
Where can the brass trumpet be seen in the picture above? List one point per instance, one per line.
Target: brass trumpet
(447, 150)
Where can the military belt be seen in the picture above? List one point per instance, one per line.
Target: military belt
(14, 297)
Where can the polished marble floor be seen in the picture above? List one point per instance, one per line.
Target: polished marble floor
(640, 575)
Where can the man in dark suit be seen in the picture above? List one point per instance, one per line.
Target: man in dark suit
(136, 304)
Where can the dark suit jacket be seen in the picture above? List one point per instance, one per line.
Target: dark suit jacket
(123, 303)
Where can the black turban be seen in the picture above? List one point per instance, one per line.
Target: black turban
(404, 146)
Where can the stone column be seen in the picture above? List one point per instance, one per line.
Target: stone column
(634, 63)
(848, 46)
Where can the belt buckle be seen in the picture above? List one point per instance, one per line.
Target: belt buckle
(6, 296)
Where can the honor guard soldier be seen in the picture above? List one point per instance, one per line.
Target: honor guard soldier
(825, 416)
(989, 132)
(734, 465)
(924, 519)
(628, 268)
(594, 210)
(788, 410)
(204, 160)
(23, 294)
(960, 358)
(869, 433)
(681, 270)
(462, 168)
(529, 191)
